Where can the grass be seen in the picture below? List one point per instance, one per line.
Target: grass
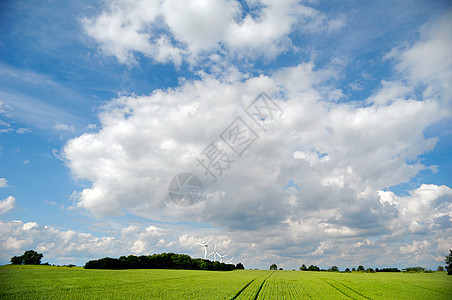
(46, 282)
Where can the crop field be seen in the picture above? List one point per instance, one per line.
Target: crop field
(45, 282)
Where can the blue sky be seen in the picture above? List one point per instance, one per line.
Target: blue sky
(103, 103)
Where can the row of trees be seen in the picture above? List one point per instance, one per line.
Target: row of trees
(160, 261)
(448, 260)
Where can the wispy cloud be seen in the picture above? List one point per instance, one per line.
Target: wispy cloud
(64, 127)
(3, 182)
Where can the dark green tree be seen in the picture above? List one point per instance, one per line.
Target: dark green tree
(440, 268)
(239, 266)
(347, 270)
(313, 268)
(448, 260)
(29, 257)
(303, 267)
(273, 267)
(334, 269)
(360, 268)
(16, 260)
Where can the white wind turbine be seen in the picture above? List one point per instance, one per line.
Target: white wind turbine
(214, 252)
(229, 261)
(205, 245)
(221, 257)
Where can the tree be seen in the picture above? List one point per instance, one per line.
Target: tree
(347, 270)
(303, 267)
(353, 269)
(360, 268)
(16, 260)
(29, 257)
(334, 269)
(448, 260)
(313, 268)
(273, 267)
(239, 266)
(440, 268)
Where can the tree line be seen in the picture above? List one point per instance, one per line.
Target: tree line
(447, 259)
(160, 261)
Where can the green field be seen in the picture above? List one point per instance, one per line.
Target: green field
(44, 282)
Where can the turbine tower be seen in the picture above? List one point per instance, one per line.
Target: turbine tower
(205, 245)
(214, 252)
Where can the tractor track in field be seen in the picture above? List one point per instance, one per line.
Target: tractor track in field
(347, 287)
(338, 289)
(364, 296)
(243, 288)
(262, 284)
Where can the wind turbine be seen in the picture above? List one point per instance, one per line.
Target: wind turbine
(214, 252)
(221, 257)
(229, 261)
(205, 245)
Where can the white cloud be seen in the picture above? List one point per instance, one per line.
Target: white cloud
(6, 127)
(64, 127)
(7, 204)
(29, 225)
(168, 31)
(23, 130)
(3, 182)
(428, 60)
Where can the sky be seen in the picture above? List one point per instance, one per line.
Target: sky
(319, 131)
